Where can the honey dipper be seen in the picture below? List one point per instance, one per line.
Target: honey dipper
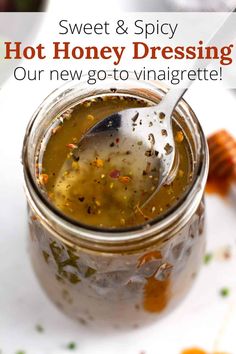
(222, 171)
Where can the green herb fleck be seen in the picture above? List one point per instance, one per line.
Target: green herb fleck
(71, 346)
(224, 292)
(208, 258)
(89, 272)
(21, 352)
(73, 278)
(39, 328)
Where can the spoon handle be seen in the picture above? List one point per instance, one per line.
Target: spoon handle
(225, 33)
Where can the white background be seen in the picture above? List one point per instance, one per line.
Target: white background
(204, 319)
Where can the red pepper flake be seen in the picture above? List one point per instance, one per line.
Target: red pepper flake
(114, 173)
(117, 140)
(124, 179)
(71, 146)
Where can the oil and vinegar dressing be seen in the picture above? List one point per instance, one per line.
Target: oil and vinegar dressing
(105, 190)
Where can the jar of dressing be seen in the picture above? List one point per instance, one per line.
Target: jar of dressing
(99, 256)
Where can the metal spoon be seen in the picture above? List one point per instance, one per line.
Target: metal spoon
(145, 135)
(146, 132)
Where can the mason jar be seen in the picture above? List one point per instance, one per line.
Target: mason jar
(121, 277)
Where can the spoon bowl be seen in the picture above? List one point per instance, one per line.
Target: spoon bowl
(140, 140)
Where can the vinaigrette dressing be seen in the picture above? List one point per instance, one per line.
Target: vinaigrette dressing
(105, 190)
(90, 264)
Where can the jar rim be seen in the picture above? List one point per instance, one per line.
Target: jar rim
(92, 233)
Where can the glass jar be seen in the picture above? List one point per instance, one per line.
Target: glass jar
(124, 277)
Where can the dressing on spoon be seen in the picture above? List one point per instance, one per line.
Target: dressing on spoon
(106, 186)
